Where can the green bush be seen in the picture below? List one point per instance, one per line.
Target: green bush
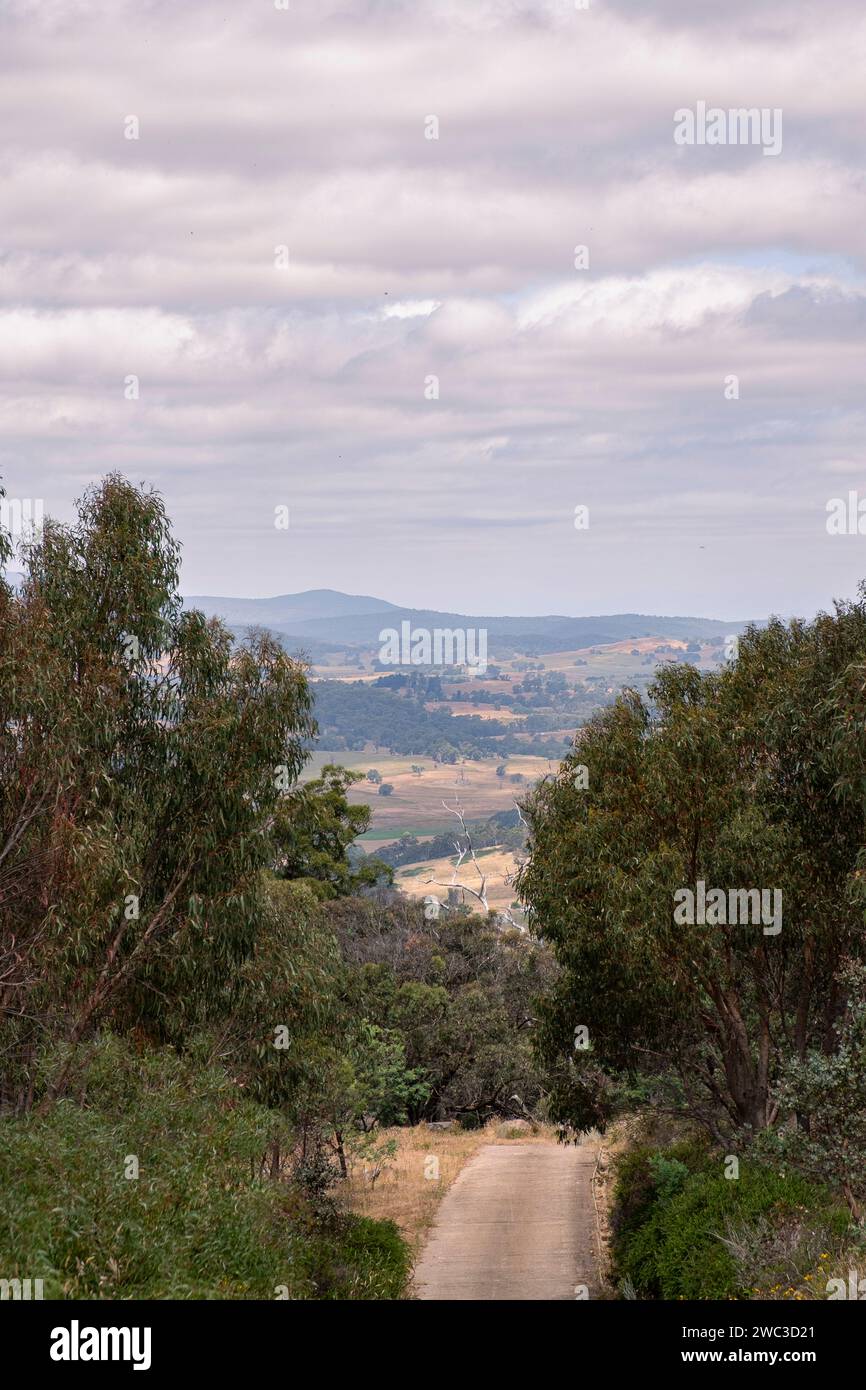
(644, 1176)
(356, 1258)
(675, 1211)
(669, 1176)
(200, 1221)
(634, 1194)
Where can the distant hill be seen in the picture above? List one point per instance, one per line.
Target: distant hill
(290, 611)
(350, 620)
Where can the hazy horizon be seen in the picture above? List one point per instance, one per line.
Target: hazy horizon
(431, 607)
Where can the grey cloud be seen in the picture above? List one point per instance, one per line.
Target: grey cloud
(810, 313)
(558, 387)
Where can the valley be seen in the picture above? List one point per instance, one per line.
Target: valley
(430, 741)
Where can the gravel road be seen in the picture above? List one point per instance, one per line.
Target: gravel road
(518, 1223)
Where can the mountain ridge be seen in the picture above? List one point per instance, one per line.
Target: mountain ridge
(329, 615)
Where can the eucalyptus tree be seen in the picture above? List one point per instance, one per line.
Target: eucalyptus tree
(142, 758)
(718, 788)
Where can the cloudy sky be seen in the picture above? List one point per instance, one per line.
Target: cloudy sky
(291, 268)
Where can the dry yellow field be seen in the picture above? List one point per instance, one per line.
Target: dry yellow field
(468, 707)
(416, 801)
(497, 865)
(410, 1186)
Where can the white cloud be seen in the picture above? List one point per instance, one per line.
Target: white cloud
(454, 257)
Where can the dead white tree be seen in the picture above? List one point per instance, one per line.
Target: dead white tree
(462, 851)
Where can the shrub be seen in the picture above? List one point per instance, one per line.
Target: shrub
(645, 1175)
(684, 1230)
(634, 1194)
(201, 1220)
(828, 1096)
(356, 1259)
(669, 1176)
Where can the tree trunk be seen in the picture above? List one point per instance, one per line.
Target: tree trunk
(341, 1153)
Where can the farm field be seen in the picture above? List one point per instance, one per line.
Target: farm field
(621, 661)
(458, 707)
(415, 805)
(434, 875)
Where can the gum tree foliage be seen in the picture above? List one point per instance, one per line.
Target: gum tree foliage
(283, 1019)
(828, 1095)
(314, 827)
(295, 1034)
(138, 752)
(387, 1087)
(201, 1220)
(749, 777)
(372, 1087)
(458, 991)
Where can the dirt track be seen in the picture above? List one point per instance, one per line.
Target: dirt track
(519, 1223)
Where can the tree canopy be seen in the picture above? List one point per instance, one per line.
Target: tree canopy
(139, 752)
(747, 778)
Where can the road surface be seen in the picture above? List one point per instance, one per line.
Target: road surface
(518, 1223)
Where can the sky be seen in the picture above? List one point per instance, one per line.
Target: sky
(319, 263)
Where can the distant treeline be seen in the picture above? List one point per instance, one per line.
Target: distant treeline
(352, 714)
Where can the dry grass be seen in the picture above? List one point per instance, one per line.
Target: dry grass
(621, 1136)
(412, 1184)
(470, 707)
(417, 801)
